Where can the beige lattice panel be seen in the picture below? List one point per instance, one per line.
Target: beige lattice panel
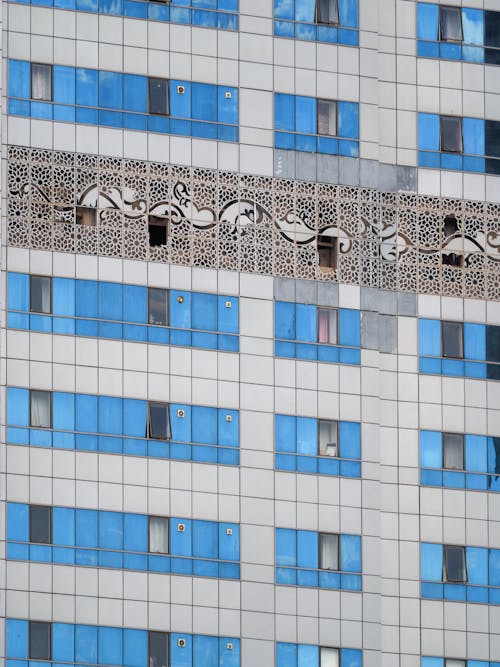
(216, 219)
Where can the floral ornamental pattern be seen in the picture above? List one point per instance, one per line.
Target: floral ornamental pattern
(218, 219)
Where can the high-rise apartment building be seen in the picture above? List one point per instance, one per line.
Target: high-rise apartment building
(250, 363)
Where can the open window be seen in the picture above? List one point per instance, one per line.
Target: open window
(157, 306)
(40, 640)
(157, 230)
(41, 82)
(329, 657)
(328, 326)
(327, 12)
(450, 24)
(326, 111)
(328, 443)
(158, 535)
(40, 524)
(328, 557)
(452, 335)
(158, 421)
(451, 134)
(158, 96)
(40, 409)
(86, 216)
(453, 451)
(158, 649)
(455, 564)
(40, 294)
(327, 251)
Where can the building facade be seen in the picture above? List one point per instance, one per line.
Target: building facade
(250, 401)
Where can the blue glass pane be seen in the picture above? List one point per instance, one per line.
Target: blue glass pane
(18, 291)
(473, 26)
(284, 320)
(307, 549)
(110, 646)
(86, 644)
(431, 562)
(350, 657)
(308, 656)
(135, 532)
(350, 553)
(63, 642)
(494, 568)
(229, 657)
(431, 449)
(64, 84)
(228, 430)
(181, 652)
(86, 528)
(204, 101)
(86, 413)
(284, 112)
(429, 337)
(473, 134)
(17, 638)
(428, 131)
(348, 13)
(350, 440)
(135, 648)
(63, 411)
(227, 107)
(348, 113)
(18, 407)
(135, 414)
(180, 540)
(476, 453)
(285, 433)
(427, 21)
(110, 415)
(87, 90)
(63, 526)
(111, 530)
(286, 547)
(477, 565)
(110, 90)
(19, 79)
(286, 655)
(63, 296)
(86, 298)
(305, 11)
(229, 541)
(474, 341)
(349, 327)
(307, 436)
(180, 103)
(305, 114)
(306, 327)
(135, 93)
(205, 651)
(18, 522)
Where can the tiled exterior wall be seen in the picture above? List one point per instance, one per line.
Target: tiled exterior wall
(244, 220)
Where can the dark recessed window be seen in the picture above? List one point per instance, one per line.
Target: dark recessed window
(492, 138)
(327, 251)
(492, 343)
(452, 259)
(41, 82)
(451, 134)
(328, 437)
(492, 37)
(158, 421)
(40, 294)
(327, 11)
(158, 535)
(328, 546)
(40, 524)
(86, 216)
(40, 641)
(450, 24)
(40, 409)
(327, 325)
(327, 117)
(157, 306)
(455, 568)
(453, 451)
(329, 657)
(452, 334)
(158, 649)
(450, 226)
(158, 96)
(157, 230)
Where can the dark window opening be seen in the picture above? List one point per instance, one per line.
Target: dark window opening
(453, 451)
(157, 230)
(158, 649)
(451, 134)
(450, 226)
(40, 294)
(493, 343)
(40, 524)
(40, 641)
(157, 306)
(327, 251)
(158, 535)
(41, 82)
(495, 455)
(450, 24)
(328, 444)
(326, 111)
(86, 216)
(455, 568)
(492, 29)
(158, 96)
(328, 546)
(327, 11)
(327, 326)
(492, 138)
(158, 421)
(40, 409)
(452, 334)
(452, 259)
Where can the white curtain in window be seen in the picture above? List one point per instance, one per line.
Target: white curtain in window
(451, 24)
(158, 535)
(328, 442)
(329, 657)
(45, 285)
(327, 117)
(328, 551)
(41, 83)
(40, 409)
(327, 325)
(327, 11)
(453, 451)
